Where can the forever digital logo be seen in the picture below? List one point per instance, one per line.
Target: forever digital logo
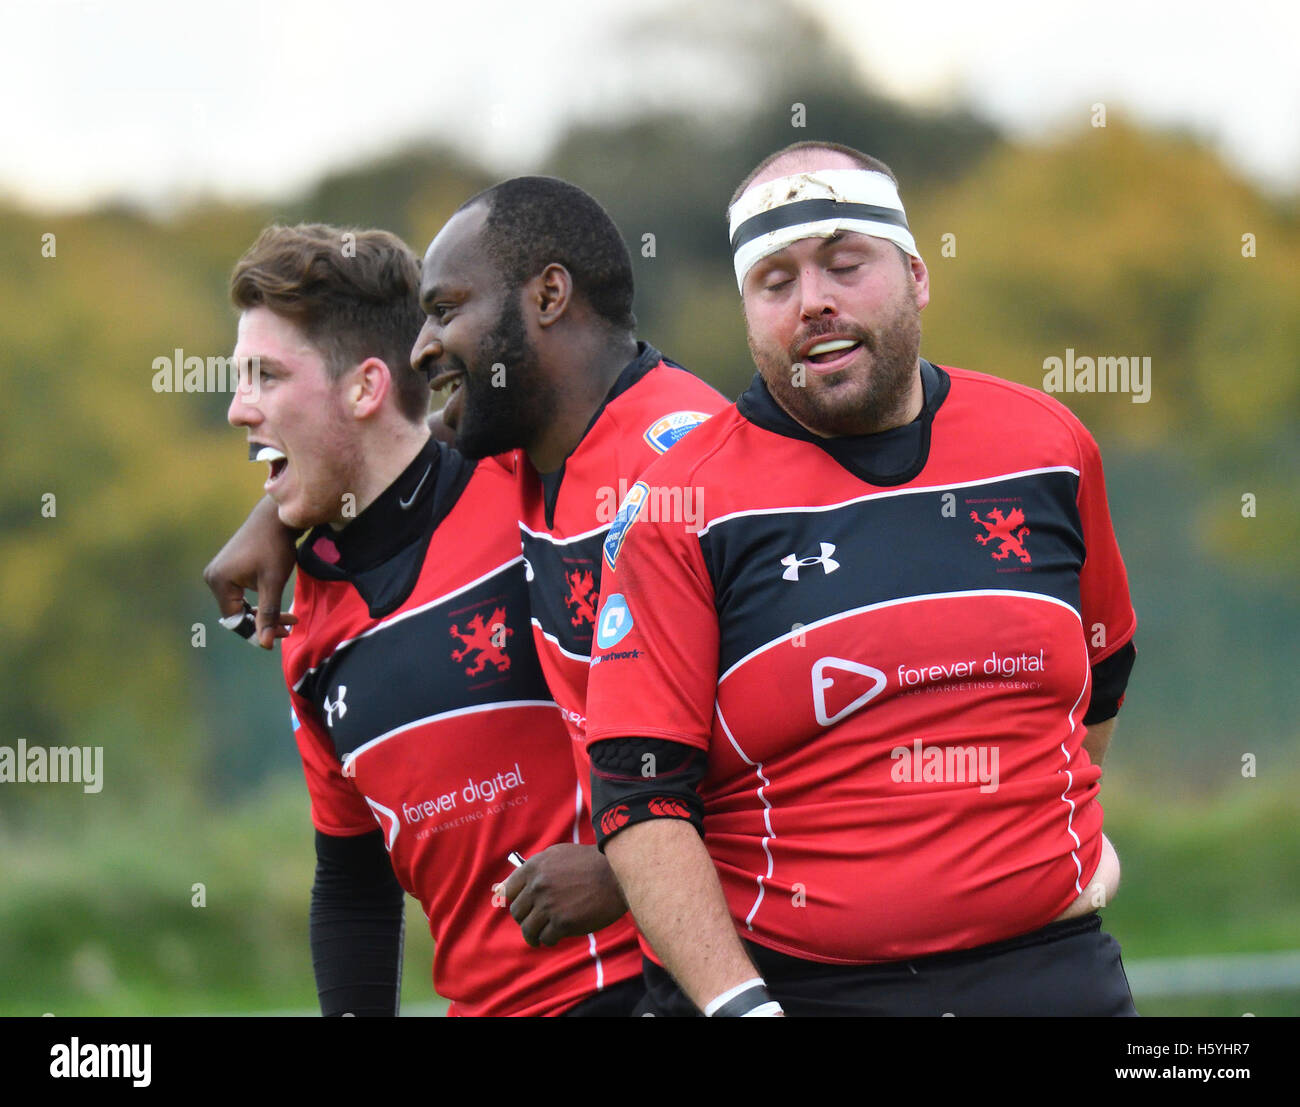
(846, 672)
(614, 623)
(386, 817)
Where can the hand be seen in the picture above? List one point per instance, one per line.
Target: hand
(260, 555)
(563, 892)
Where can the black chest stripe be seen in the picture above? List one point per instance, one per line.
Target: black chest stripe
(467, 650)
(491, 706)
(807, 627)
(564, 587)
(775, 570)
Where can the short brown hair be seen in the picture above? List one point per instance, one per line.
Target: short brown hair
(354, 294)
(866, 161)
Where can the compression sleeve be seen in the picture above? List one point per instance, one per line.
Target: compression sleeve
(357, 926)
(635, 779)
(1109, 680)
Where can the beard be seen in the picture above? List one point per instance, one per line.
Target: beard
(495, 418)
(854, 400)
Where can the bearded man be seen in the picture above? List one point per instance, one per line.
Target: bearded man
(846, 735)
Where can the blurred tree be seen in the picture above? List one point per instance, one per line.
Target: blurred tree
(1114, 242)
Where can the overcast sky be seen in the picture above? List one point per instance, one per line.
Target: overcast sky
(157, 101)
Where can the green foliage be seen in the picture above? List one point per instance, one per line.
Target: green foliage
(1111, 242)
(98, 918)
(1216, 872)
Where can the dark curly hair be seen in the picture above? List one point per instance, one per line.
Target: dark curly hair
(535, 221)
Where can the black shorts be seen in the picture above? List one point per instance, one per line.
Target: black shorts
(1066, 968)
(614, 1002)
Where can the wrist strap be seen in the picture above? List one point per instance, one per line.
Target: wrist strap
(769, 1010)
(747, 999)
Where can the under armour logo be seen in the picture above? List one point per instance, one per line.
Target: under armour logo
(338, 705)
(793, 563)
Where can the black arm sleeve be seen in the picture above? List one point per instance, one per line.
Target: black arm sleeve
(1109, 680)
(636, 779)
(357, 926)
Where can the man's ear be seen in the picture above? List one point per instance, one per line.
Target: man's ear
(550, 293)
(368, 387)
(921, 275)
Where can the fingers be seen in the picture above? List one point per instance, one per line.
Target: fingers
(551, 933)
(522, 900)
(228, 594)
(517, 881)
(534, 921)
(541, 929)
(271, 623)
(531, 926)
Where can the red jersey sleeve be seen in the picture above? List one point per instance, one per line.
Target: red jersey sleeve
(654, 663)
(1107, 610)
(336, 806)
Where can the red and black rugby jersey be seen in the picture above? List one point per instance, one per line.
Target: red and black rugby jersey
(420, 706)
(565, 516)
(885, 645)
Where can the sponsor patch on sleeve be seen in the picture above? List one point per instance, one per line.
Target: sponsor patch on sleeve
(630, 508)
(672, 428)
(614, 622)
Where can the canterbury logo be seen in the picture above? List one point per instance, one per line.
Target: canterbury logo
(665, 806)
(338, 705)
(793, 563)
(614, 819)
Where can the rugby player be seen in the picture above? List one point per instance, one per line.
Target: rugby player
(528, 294)
(875, 687)
(418, 702)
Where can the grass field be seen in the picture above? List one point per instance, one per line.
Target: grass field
(99, 918)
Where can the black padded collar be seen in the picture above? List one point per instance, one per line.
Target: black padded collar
(889, 458)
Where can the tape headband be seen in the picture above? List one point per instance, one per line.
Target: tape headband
(817, 204)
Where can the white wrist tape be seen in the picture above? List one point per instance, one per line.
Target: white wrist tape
(749, 998)
(767, 1009)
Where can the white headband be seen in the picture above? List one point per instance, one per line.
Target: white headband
(770, 216)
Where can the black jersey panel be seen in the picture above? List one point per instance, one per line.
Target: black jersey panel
(564, 588)
(773, 572)
(391, 677)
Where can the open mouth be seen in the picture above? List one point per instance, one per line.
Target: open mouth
(445, 378)
(450, 383)
(278, 461)
(831, 351)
